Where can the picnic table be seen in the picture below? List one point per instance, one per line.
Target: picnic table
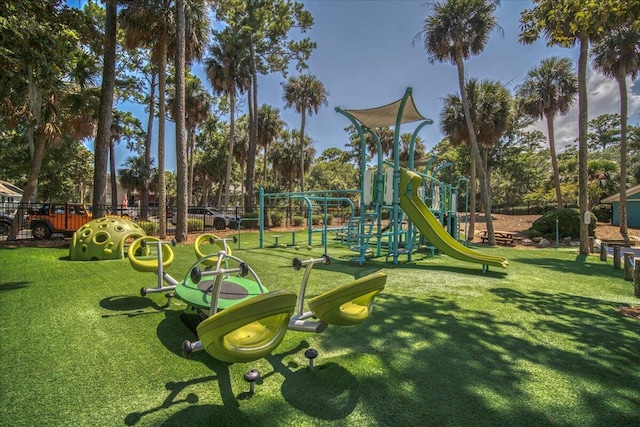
(502, 237)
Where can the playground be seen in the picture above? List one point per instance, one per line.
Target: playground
(444, 342)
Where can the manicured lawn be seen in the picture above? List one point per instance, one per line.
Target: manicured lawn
(537, 344)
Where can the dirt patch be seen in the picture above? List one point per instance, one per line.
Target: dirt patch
(629, 311)
(519, 224)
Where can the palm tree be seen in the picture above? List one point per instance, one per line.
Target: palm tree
(197, 108)
(618, 56)
(227, 71)
(494, 115)
(490, 107)
(453, 32)
(131, 176)
(548, 90)
(269, 127)
(306, 94)
(419, 149)
(240, 150)
(150, 23)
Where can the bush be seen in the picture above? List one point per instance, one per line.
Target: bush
(276, 219)
(149, 227)
(568, 223)
(250, 223)
(298, 221)
(194, 225)
(603, 213)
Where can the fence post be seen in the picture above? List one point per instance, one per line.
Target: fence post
(603, 251)
(592, 242)
(616, 258)
(636, 278)
(628, 265)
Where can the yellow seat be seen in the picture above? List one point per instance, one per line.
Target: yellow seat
(149, 264)
(249, 330)
(349, 304)
(205, 238)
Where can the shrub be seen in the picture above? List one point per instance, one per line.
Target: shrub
(532, 233)
(316, 219)
(298, 221)
(568, 223)
(276, 219)
(194, 225)
(149, 227)
(603, 213)
(250, 222)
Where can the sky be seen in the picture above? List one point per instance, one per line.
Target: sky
(366, 57)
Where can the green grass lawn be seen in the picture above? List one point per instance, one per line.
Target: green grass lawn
(537, 344)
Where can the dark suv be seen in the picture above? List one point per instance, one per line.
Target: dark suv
(5, 224)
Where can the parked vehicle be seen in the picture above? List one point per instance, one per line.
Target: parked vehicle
(5, 224)
(153, 209)
(209, 217)
(57, 218)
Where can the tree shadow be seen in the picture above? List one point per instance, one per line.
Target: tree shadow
(452, 360)
(12, 286)
(579, 266)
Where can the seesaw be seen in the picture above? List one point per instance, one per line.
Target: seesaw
(254, 328)
(243, 321)
(141, 260)
(345, 305)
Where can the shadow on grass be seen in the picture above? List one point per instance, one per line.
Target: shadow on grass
(435, 361)
(326, 392)
(130, 306)
(578, 266)
(12, 286)
(227, 414)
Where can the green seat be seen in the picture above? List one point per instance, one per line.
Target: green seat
(348, 304)
(249, 330)
(205, 238)
(148, 264)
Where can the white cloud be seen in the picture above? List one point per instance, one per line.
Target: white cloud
(603, 98)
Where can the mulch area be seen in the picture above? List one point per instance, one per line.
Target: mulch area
(629, 311)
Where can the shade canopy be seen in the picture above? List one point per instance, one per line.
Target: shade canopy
(387, 115)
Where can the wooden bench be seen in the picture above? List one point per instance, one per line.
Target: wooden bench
(502, 237)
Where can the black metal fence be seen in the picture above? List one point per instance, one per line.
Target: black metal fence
(199, 219)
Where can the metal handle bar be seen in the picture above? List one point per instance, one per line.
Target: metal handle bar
(298, 263)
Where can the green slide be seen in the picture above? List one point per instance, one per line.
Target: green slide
(430, 227)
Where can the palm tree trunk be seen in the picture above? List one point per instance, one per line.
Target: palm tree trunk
(302, 123)
(622, 84)
(191, 138)
(475, 152)
(162, 190)
(473, 198)
(232, 127)
(112, 176)
(144, 195)
(181, 144)
(253, 123)
(105, 115)
(554, 159)
(583, 196)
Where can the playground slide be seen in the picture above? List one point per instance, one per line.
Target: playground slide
(430, 227)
